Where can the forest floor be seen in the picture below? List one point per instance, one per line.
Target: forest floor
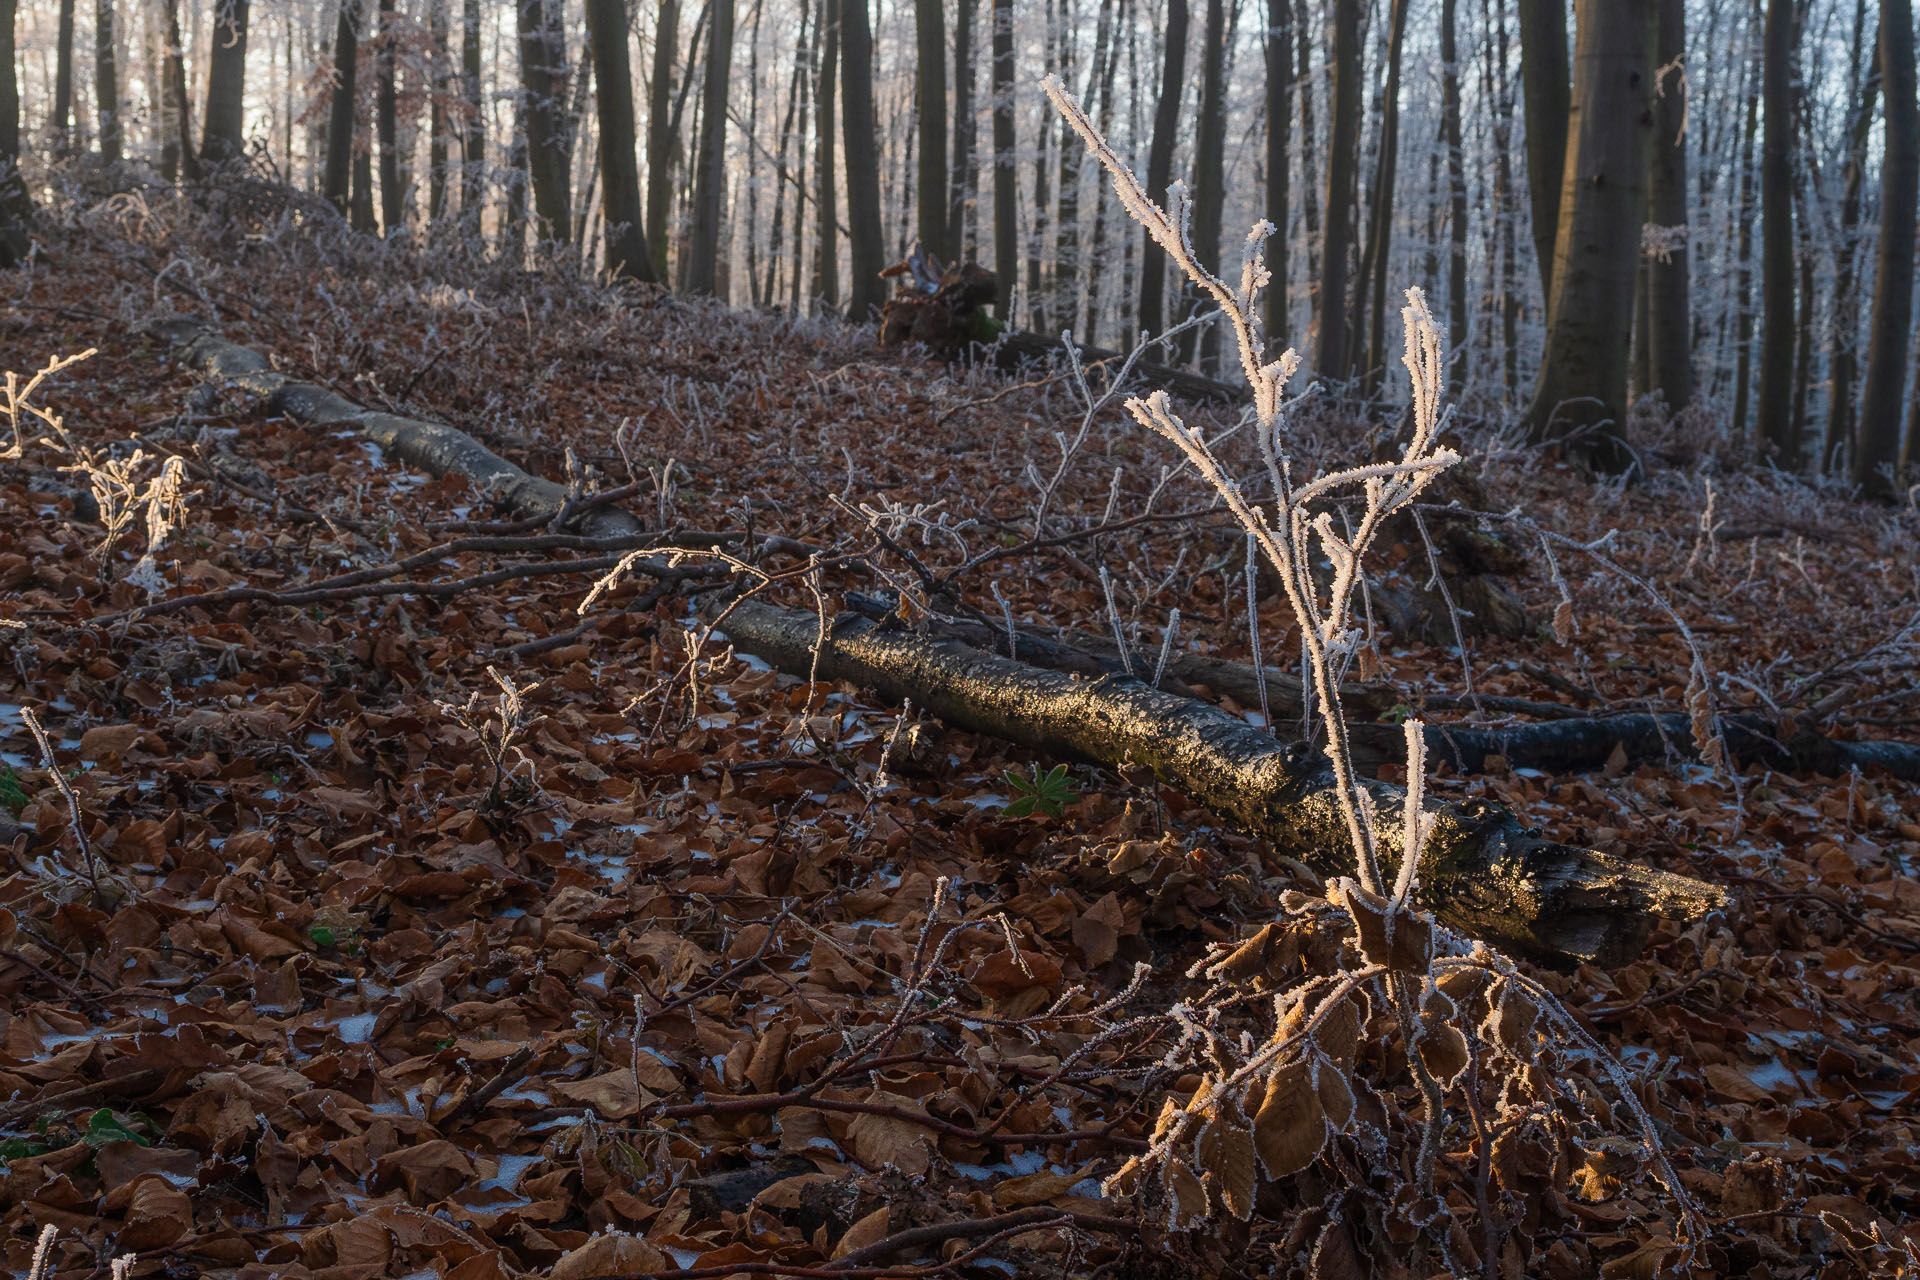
(317, 998)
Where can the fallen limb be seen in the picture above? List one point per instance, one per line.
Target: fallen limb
(433, 447)
(1483, 872)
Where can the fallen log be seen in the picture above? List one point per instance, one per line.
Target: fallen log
(433, 447)
(1483, 872)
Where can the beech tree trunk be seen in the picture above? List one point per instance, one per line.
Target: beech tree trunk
(1483, 872)
(1845, 321)
(710, 167)
(106, 81)
(1450, 138)
(930, 103)
(627, 251)
(180, 117)
(666, 41)
(1166, 129)
(1669, 327)
(393, 209)
(336, 182)
(962, 178)
(1775, 421)
(1881, 456)
(1546, 98)
(225, 137)
(1279, 128)
(1380, 236)
(473, 139)
(542, 77)
(1743, 276)
(860, 131)
(16, 205)
(1583, 376)
(440, 81)
(826, 259)
(1334, 359)
(1209, 176)
(62, 140)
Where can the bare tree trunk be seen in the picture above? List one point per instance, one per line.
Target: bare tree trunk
(666, 41)
(930, 100)
(860, 131)
(1069, 160)
(1380, 240)
(805, 47)
(1775, 421)
(1334, 359)
(1846, 304)
(1546, 103)
(826, 261)
(961, 180)
(1106, 67)
(361, 216)
(179, 116)
(1166, 130)
(1456, 197)
(393, 214)
(1583, 377)
(16, 204)
(1279, 127)
(1876, 466)
(106, 82)
(226, 84)
(710, 166)
(62, 140)
(1309, 138)
(1209, 177)
(1743, 279)
(336, 183)
(1506, 211)
(473, 138)
(439, 81)
(627, 250)
(1006, 179)
(542, 80)
(1669, 325)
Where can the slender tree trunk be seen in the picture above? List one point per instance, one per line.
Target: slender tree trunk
(1209, 173)
(1456, 197)
(1669, 326)
(1875, 465)
(1069, 157)
(1546, 103)
(226, 84)
(63, 83)
(1335, 359)
(542, 72)
(1006, 178)
(1775, 419)
(1743, 213)
(1106, 67)
(1380, 244)
(1846, 305)
(1583, 377)
(361, 216)
(860, 131)
(16, 204)
(387, 124)
(776, 248)
(930, 100)
(1309, 168)
(710, 167)
(1279, 127)
(1166, 130)
(961, 180)
(440, 82)
(178, 113)
(666, 41)
(826, 261)
(336, 183)
(1505, 209)
(106, 82)
(473, 136)
(627, 251)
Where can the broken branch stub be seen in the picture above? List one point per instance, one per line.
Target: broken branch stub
(1483, 871)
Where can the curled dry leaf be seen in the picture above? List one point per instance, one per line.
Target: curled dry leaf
(1290, 1128)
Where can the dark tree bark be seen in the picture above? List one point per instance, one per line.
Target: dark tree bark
(1669, 327)
(1456, 198)
(1209, 174)
(1166, 132)
(1583, 377)
(16, 205)
(473, 137)
(1880, 394)
(930, 101)
(225, 138)
(1279, 127)
(393, 209)
(179, 120)
(1309, 182)
(62, 140)
(1546, 104)
(543, 65)
(1334, 359)
(1506, 211)
(961, 181)
(826, 259)
(710, 167)
(437, 124)
(1380, 237)
(1006, 179)
(627, 251)
(1775, 420)
(1846, 303)
(106, 82)
(666, 42)
(337, 180)
(860, 132)
(1743, 275)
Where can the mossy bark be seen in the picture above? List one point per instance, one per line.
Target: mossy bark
(1484, 872)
